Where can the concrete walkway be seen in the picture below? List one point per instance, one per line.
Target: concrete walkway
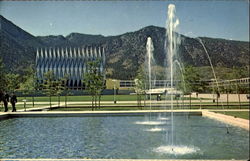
(40, 108)
(223, 97)
(194, 102)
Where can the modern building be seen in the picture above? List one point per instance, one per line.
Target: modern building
(71, 62)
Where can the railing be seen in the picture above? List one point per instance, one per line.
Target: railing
(242, 81)
(166, 83)
(155, 83)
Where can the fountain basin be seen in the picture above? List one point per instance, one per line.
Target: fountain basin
(108, 136)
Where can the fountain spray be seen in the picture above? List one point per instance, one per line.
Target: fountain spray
(171, 45)
(149, 60)
(182, 73)
(172, 41)
(212, 67)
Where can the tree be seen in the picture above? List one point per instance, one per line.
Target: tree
(3, 80)
(65, 88)
(27, 73)
(49, 85)
(29, 84)
(28, 87)
(193, 80)
(140, 85)
(59, 89)
(13, 82)
(94, 82)
(100, 87)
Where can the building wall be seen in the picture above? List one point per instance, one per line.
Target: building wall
(71, 62)
(112, 83)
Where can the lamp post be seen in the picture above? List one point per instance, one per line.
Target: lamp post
(114, 91)
(213, 84)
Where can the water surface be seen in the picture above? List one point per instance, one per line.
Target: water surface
(121, 137)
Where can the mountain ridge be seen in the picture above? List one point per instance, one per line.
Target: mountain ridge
(125, 52)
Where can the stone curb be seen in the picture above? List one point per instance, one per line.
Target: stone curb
(243, 123)
(110, 160)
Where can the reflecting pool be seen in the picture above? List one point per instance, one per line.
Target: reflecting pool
(128, 137)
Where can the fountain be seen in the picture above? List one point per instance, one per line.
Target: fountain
(212, 67)
(172, 41)
(182, 72)
(148, 63)
(210, 62)
(156, 129)
(183, 79)
(163, 123)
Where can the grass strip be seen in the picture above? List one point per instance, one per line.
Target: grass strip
(239, 114)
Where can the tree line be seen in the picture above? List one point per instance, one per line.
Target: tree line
(93, 81)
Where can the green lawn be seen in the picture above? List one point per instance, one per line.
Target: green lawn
(240, 114)
(101, 109)
(78, 107)
(107, 108)
(220, 107)
(88, 98)
(45, 102)
(118, 106)
(81, 98)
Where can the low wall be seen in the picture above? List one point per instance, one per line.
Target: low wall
(4, 116)
(94, 113)
(243, 123)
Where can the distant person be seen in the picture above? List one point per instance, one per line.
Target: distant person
(197, 94)
(159, 97)
(13, 101)
(5, 101)
(218, 94)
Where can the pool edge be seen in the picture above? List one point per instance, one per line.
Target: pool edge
(98, 113)
(239, 122)
(117, 160)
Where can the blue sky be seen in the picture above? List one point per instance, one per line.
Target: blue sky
(220, 19)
